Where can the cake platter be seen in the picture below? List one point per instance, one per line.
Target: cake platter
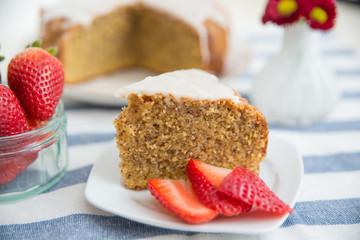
(282, 170)
(100, 90)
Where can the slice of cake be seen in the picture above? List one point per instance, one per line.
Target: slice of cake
(98, 37)
(186, 114)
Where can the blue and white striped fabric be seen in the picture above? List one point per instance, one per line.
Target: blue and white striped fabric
(328, 206)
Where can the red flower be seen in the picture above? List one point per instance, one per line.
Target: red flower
(283, 12)
(320, 14)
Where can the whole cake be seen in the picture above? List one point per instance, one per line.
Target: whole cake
(101, 36)
(186, 114)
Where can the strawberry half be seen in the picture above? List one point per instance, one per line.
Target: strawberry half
(179, 197)
(37, 79)
(205, 179)
(246, 186)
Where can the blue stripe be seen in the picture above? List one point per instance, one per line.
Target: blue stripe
(85, 106)
(84, 226)
(344, 95)
(325, 212)
(338, 51)
(332, 53)
(321, 127)
(87, 226)
(73, 177)
(348, 72)
(249, 76)
(86, 138)
(332, 163)
(349, 95)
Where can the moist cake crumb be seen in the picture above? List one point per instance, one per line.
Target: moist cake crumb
(158, 134)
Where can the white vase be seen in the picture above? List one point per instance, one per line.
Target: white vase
(296, 87)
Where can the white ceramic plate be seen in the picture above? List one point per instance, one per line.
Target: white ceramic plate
(282, 170)
(100, 90)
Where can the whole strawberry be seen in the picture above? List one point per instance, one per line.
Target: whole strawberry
(12, 122)
(12, 117)
(37, 79)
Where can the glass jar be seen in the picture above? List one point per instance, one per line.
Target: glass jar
(296, 87)
(34, 161)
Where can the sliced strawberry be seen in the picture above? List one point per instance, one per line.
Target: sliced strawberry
(205, 179)
(179, 197)
(246, 186)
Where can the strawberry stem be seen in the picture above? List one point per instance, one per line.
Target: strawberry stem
(53, 51)
(37, 43)
(1, 57)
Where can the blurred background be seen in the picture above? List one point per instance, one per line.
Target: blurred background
(248, 14)
(20, 20)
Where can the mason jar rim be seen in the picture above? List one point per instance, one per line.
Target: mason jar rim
(54, 124)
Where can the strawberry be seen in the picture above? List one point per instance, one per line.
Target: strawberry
(9, 169)
(37, 79)
(12, 117)
(35, 123)
(179, 197)
(205, 179)
(246, 186)
(12, 122)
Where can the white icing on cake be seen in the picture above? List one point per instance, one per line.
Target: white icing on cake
(191, 83)
(81, 11)
(192, 12)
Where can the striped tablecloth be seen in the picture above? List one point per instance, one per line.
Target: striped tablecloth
(328, 206)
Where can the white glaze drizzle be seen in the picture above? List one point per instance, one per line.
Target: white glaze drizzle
(192, 83)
